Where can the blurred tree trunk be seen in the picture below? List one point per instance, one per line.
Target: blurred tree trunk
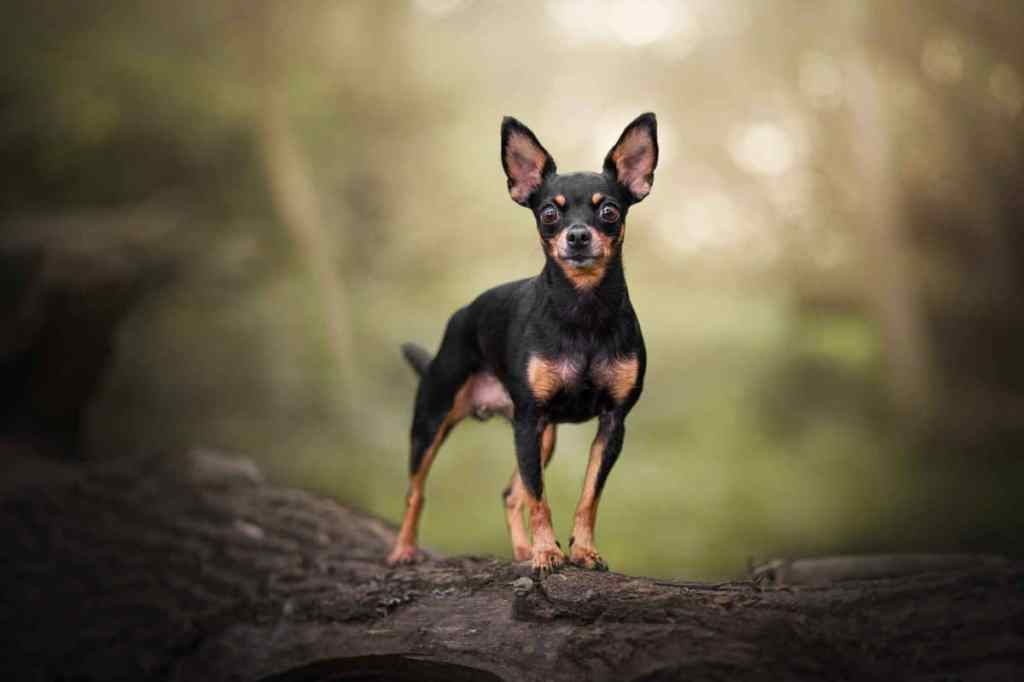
(892, 291)
(293, 189)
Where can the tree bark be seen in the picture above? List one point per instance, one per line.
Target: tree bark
(194, 568)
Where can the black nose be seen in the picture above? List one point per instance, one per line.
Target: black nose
(578, 236)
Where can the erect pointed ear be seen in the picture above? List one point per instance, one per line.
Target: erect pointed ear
(525, 161)
(632, 160)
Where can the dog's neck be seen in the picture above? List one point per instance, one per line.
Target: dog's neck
(592, 307)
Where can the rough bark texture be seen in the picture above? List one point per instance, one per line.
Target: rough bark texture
(196, 569)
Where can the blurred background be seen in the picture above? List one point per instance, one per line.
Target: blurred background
(220, 219)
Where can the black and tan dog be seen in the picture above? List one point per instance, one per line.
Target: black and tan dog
(564, 346)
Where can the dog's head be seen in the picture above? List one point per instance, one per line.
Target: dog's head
(581, 217)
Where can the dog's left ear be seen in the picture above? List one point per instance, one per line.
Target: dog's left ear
(525, 161)
(632, 160)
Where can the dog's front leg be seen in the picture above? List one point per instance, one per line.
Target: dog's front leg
(603, 453)
(529, 429)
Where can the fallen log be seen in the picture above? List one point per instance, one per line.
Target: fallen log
(195, 568)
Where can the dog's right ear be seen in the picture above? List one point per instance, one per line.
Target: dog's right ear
(632, 160)
(525, 161)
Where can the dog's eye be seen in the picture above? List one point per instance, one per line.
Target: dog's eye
(549, 215)
(609, 213)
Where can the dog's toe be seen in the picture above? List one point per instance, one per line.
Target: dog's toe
(588, 558)
(547, 560)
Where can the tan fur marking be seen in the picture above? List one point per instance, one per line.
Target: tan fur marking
(597, 198)
(547, 556)
(618, 376)
(514, 519)
(586, 509)
(557, 245)
(547, 377)
(584, 278)
(405, 543)
(516, 499)
(560, 200)
(606, 242)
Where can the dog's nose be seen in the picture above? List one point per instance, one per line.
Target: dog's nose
(578, 236)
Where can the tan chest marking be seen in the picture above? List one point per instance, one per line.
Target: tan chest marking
(617, 376)
(547, 377)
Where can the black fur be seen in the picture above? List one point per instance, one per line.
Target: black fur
(546, 316)
(418, 357)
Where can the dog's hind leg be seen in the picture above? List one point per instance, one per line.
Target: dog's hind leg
(443, 399)
(430, 428)
(515, 500)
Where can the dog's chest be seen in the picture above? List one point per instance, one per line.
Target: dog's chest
(581, 378)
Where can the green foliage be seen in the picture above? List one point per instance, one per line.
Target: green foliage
(755, 265)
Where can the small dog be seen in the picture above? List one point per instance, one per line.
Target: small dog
(564, 346)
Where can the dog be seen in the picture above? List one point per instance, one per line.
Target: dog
(564, 346)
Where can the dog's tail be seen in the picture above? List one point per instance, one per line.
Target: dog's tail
(418, 357)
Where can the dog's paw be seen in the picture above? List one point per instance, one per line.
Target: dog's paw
(403, 555)
(587, 557)
(547, 560)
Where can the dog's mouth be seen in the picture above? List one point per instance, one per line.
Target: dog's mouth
(579, 260)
